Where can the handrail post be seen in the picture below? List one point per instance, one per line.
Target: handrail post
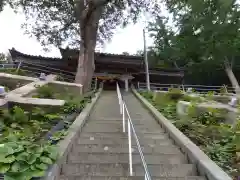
(130, 149)
(123, 113)
(121, 107)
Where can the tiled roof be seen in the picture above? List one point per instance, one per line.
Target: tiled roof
(76, 52)
(15, 53)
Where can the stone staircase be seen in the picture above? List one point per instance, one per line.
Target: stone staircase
(101, 152)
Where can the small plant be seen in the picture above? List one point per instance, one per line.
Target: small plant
(23, 160)
(223, 89)
(60, 78)
(59, 135)
(175, 93)
(147, 94)
(45, 92)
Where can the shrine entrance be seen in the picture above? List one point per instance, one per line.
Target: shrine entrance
(110, 84)
(109, 81)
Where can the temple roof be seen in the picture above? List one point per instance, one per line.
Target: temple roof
(14, 53)
(72, 53)
(105, 58)
(75, 52)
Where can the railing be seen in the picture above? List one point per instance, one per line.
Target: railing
(131, 130)
(184, 87)
(6, 66)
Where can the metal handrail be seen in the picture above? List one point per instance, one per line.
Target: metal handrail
(192, 85)
(124, 111)
(201, 88)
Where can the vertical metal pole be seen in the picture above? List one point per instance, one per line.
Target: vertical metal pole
(138, 84)
(130, 148)
(146, 61)
(121, 107)
(19, 65)
(123, 110)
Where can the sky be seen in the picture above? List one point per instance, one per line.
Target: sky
(129, 39)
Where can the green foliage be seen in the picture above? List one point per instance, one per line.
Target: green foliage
(23, 160)
(205, 39)
(57, 22)
(45, 92)
(14, 71)
(221, 142)
(175, 94)
(60, 78)
(59, 135)
(147, 94)
(24, 151)
(223, 89)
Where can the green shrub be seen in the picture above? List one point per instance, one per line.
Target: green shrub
(25, 160)
(175, 94)
(147, 94)
(45, 92)
(221, 142)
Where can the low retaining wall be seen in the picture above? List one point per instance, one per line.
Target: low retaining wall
(206, 167)
(65, 145)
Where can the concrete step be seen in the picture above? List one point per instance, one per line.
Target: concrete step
(117, 124)
(103, 158)
(169, 170)
(117, 128)
(123, 135)
(120, 122)
(128, 178)
(124, 149)
(122, 141)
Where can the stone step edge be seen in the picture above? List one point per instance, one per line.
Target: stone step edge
(63, 177)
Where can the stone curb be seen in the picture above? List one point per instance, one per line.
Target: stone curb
(6, 75)
(65, 145)
(206, 167)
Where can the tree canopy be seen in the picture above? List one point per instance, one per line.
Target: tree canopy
(59, 22)
(206, 34)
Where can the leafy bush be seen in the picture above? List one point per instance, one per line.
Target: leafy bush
(24, 151)
(175, 94)
(45, 92)
(221, 142)
(23, 160)
(147, 94)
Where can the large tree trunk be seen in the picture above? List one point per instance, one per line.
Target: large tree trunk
(86, 63)
(231, 76)
(81, 71)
